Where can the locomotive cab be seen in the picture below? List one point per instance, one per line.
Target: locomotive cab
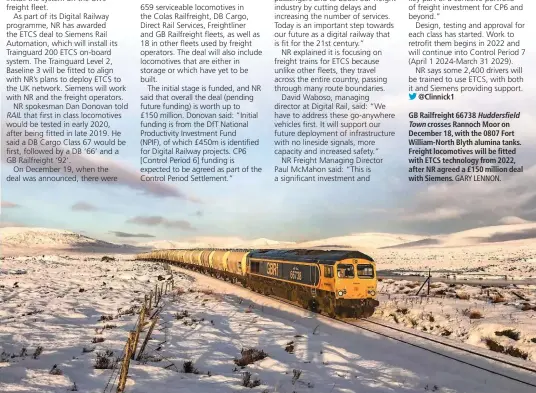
(355, 279)
(355, 284)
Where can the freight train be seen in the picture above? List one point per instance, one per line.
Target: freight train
(335, 282)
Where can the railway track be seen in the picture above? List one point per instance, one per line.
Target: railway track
(366, 324)
(429, 343)
(459, 281)
(453, 345)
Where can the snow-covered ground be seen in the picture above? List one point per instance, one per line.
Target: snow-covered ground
(16, 241)
(447, 312)
(57, 303)
(517, 261)
(473, 315)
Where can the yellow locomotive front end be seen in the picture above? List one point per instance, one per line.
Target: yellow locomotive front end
(355, 287)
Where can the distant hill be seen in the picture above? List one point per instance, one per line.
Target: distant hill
(216, 242)
(31, 241)
(35, 241)
(519, 233)
(361, 241)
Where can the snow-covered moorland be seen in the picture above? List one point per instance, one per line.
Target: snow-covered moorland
(60, 315)
(500, 319)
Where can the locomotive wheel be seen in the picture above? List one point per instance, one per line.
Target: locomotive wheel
(331, 308)
(359, 312)
(294, 295)
(313, 305)
(368, 312)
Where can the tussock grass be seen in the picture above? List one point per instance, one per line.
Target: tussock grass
(498, 299)
(247, 382)
(472, 314)
(104, 362)
(250, 356)
(509, 350)
(290, 347)
(181, 315)
(38, 351)
(395, 318)
(296, 375)
(510, 333)
(189, 368)
(463, 296)
(55, 370)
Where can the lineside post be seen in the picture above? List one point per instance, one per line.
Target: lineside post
(138, 331)
(125, 364)
(429, 279)
(422, 286)
(158, 296)
(147, 338)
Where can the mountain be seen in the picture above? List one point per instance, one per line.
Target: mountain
(361, 241)
(215, 242)
(25, 241)
(497, 234)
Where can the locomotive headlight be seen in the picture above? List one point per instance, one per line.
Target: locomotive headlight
(371, 292)
(340, 293)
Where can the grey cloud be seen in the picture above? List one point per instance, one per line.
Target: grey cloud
(161, 221)
(515, 196)
(125, 234)
(512, 220)
(9, 205)
(508, 236)
(83, 206)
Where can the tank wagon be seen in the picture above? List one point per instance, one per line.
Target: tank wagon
(335, 282)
